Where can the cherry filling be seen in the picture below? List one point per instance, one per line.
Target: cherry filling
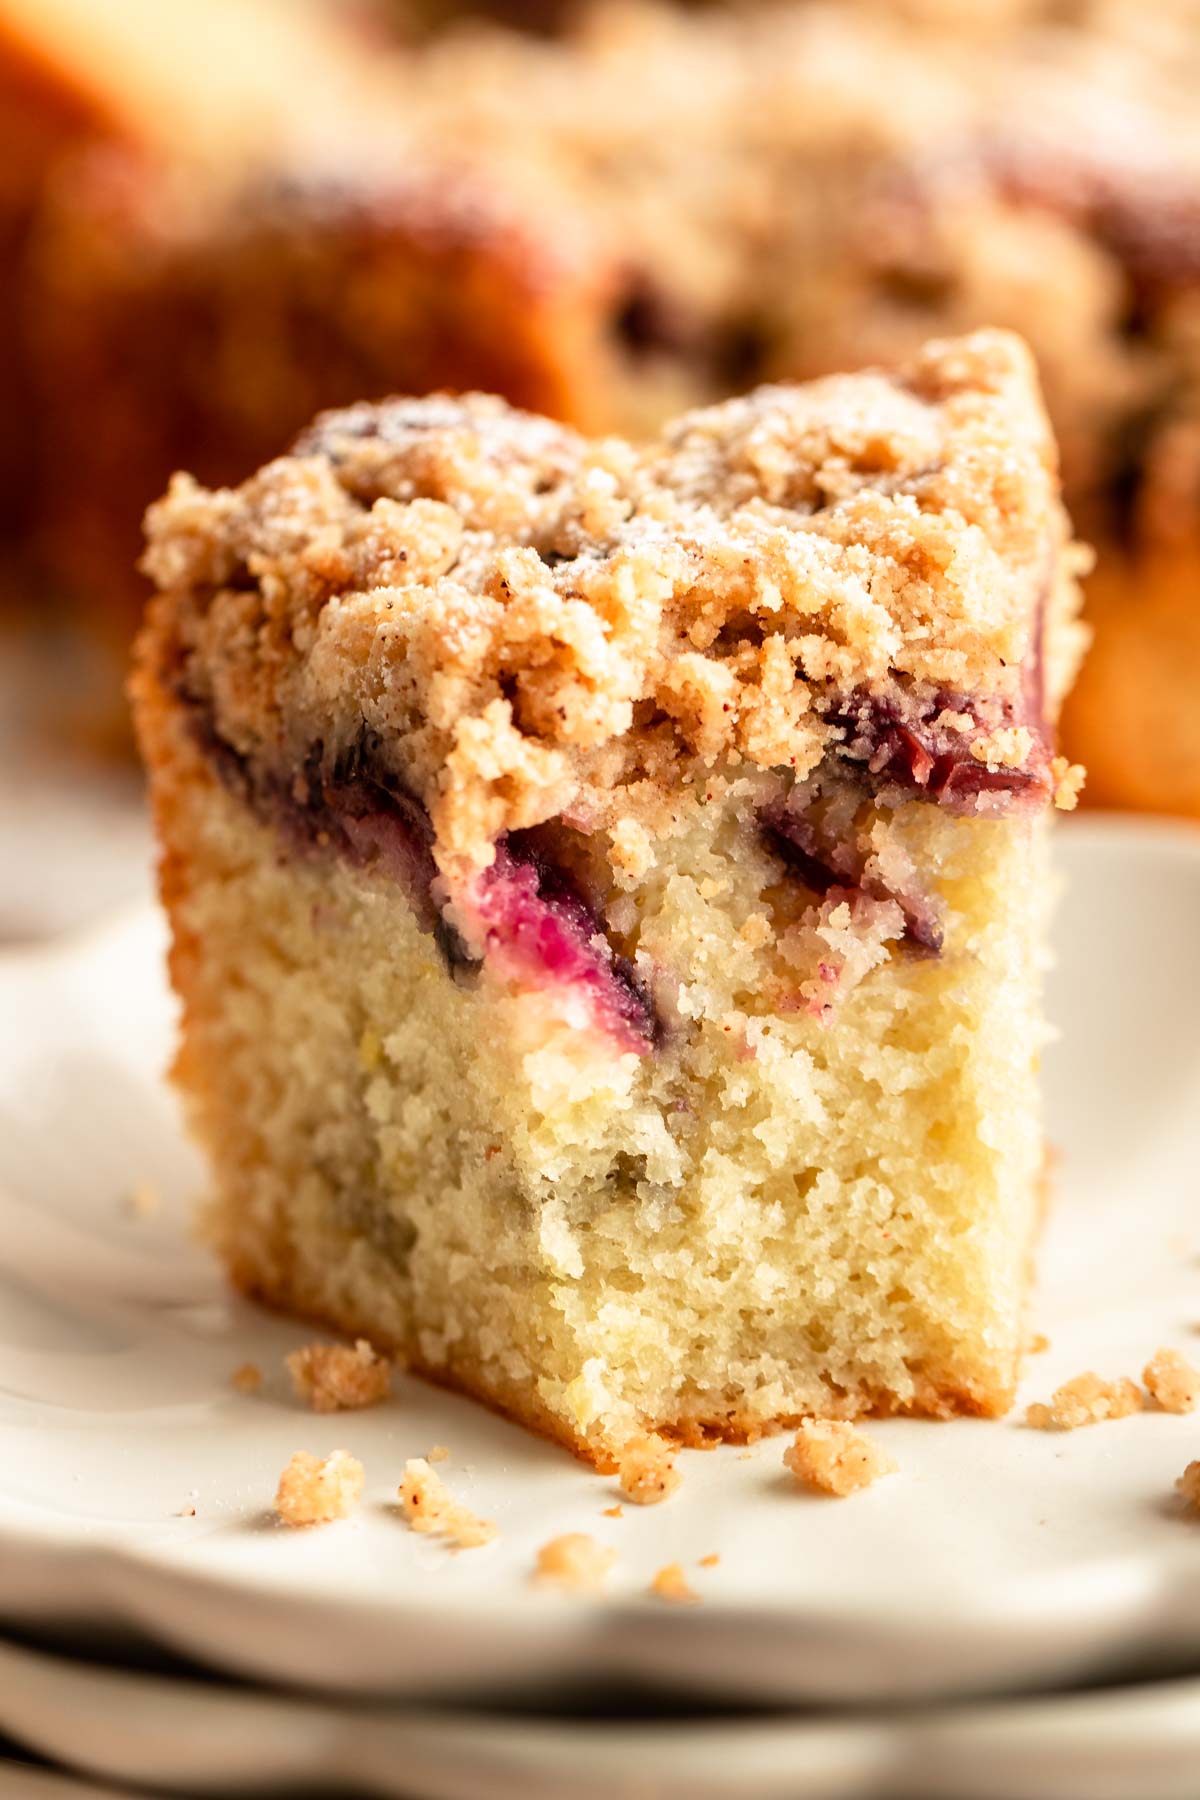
(541, 931)
(533, 920)
(910, 750)
(826, 864)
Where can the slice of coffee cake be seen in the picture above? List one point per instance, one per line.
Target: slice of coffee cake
(608, 888)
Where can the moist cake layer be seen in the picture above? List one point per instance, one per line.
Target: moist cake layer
(607, 888)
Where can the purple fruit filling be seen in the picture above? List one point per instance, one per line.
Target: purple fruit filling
(539, 924)
(825, 866)
(909, 750)
(533, 918)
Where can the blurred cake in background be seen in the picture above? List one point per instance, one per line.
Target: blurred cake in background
(656, 208)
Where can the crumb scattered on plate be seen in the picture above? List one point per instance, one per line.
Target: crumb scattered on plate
(429, 1506)
(1172, 1382)
(313, 1491)
(614, 1512)
(144, 1200)
(339, 1378)
(439, 1453)
(647, 1471)
(710, 1561)
(246, 1378)
(575, 1562)
(1189, 1484)
(836, 1457)
(672, 1584)
(1086, 1400)
(1038, 1344)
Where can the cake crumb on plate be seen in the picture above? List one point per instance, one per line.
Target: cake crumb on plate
(1189, 1484)
(1172, 1382)
(430, 1507)
(1086, 1400)
(247, 1378)
(144, 1200)
(836, 1457)
(338, 1378)
(614, 1512)
(439, 1453)
(710, 1561)
(672, 1584)
(575, 1562)
(1038, 1344)
(314, 1491)
(647, 1471)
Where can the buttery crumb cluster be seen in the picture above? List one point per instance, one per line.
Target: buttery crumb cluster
(315, 1491)
(647, 1471)
(529, 620)
(575, 1562)
(835, 1457)
(1085, 1400)
(429, 1507)
(340, 1377)
(671, 1584)
(1171, 1382)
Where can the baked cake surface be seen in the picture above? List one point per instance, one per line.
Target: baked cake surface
(607, 888)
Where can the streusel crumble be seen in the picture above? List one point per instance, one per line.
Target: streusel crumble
(314, 1490)
(575, 1562)
(429, 1507)
(1085, 1400)
(220, 217)
(647, 1471)
(608, 889)
(670, 1583)
(1189, 1484)
(247, 1378)
(835, 1457)
(340, 1377)
(1173, 1383)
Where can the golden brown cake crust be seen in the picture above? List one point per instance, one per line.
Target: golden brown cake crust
(935, 1395)
(525, 621)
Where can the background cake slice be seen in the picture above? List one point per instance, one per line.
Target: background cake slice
(608, 888)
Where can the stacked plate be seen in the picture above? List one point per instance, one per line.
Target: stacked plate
(1014, 1614)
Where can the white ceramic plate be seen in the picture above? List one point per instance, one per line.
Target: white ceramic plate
(19, 1781)
(998, 1556)
(1137, 1743)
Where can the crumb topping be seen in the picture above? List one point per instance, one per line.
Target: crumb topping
(835, 1457)
(1172, 1382)
(1087, 1400)
(575, 1562)
(1068, 779)
(1189, 1484)
(145, 1200)
(338, 1377)
(430, 1507)
(247, 1378)
(647, 1471)
(529, 623)
(672, 1584)
(314, 1491)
